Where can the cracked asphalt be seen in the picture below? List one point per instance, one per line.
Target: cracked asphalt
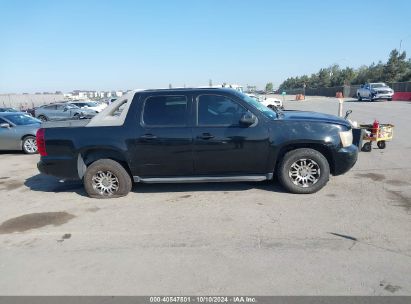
(351, 238)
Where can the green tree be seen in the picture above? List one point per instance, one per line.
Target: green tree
(269, 87)
(407, 74)
(396, 66)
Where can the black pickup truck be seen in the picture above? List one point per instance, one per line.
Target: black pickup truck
(196, 135)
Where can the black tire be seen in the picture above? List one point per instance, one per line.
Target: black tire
(381, 144)
(42, 118)
(389, 99)
(359, 97)
(371, 98)
(29, 145)
(291, 158)
(123, 179)
(366, 147)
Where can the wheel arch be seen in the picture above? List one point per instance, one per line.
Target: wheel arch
(27, 135)
(89, 156)
(322, 148)
(40, 115)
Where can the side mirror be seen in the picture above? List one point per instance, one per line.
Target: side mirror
(5, 125)
(65, 109)
(248, 119)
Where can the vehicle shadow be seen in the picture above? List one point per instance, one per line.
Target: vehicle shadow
(208, 187)
(366, 101)
(17, 152)
(50, 184)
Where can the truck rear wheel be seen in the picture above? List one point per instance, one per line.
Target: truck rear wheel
(106, 178)
(303, 171)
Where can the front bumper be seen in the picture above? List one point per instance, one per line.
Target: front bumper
(64, 168)
(383, 96)
(345, 159)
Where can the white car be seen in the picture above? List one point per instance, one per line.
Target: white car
(272, 102)
(269, 102)
(90, 105)
(256, 97)
(373, 91)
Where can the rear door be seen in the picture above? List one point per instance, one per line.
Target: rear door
(223, 146)
(164, 139)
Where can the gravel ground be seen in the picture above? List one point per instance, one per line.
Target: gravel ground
(351, 238)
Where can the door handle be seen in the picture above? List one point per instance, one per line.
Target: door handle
(148, 136)
(205, 136)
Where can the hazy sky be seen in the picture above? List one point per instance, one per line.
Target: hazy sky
(101, 45)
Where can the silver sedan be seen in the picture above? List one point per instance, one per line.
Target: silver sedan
(18, 132)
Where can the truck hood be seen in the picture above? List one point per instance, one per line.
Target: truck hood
(314, 117)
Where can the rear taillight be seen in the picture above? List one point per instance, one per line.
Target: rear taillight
(41, 142)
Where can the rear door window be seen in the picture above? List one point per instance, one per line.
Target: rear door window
(165, 111)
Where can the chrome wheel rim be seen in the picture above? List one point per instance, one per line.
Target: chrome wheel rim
(304, 172)
(30, 145)
(105, 183)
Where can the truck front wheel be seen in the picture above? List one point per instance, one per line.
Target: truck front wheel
(303, 171)
(106, 178)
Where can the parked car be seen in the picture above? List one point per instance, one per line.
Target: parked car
(272, 103)
(31, 111)
(259, 98)
(18, 132)
(374, 91)
(8, 110)
(62, 111)
(196, 135)
(269, 102)
(90, 105)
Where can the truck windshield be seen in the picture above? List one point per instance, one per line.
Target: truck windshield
(91, 104)
(378, 85)
(22, 119)
(259, 106)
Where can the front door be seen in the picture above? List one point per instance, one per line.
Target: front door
(8, 140)
(164, 139)
(224, 146)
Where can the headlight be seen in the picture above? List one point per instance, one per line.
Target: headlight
(346, 138)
